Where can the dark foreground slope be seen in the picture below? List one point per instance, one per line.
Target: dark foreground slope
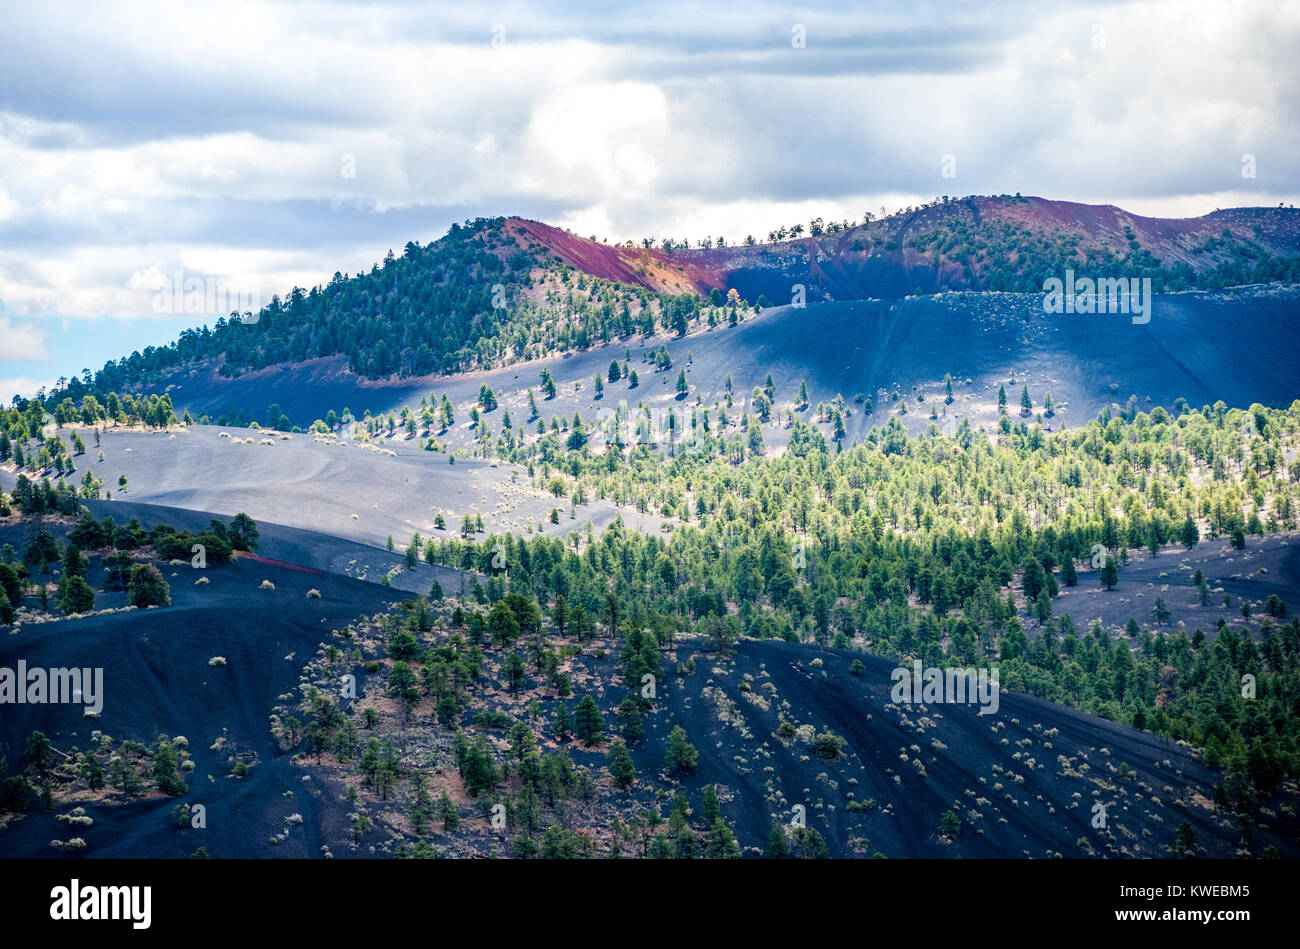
(1029, 780)
(158, 681)
(1025, 780)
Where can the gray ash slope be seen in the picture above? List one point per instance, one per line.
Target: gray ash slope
(358, 492)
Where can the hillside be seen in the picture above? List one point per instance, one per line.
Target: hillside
(1199, 346)
(1013, 244)
(498, 290)
(626, 476)
(242, 674)
(770, 608)
(975, 243)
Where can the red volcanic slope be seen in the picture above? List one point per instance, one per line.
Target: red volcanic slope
(875, 259)
(637, 266)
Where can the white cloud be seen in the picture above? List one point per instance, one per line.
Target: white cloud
(601, 139)
(217, 143)
(23, 385)
(21, 342)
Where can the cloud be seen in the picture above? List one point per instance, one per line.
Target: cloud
(23, 386)
(21, 343)
(287, 141)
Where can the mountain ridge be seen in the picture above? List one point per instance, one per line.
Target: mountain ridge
(886, 265)
(498, 291)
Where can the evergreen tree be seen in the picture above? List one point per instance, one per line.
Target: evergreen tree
(621, 768)
(710, 811)
(1109, 572)
(447, 813)
(561, 725)
(778, 845)
(681, 756)
(721, 843)
(587, 723)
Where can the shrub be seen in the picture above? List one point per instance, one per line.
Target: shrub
(75, 594)
(146, 587)
(828, 745)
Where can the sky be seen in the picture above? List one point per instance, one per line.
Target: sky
(243, 148)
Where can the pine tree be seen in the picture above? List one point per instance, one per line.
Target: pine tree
(560, 613)
(561, 724)
(1069, 575)
(721, 843)
(950, 824)
(587, 723)
(1109, 572)
(74, 565)
(75, 594)
(630, 720)
(91, 772)
(448, 813)
(709, 809)
(681, 756)
(515, 672)
(621, 768)
(778, 845)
